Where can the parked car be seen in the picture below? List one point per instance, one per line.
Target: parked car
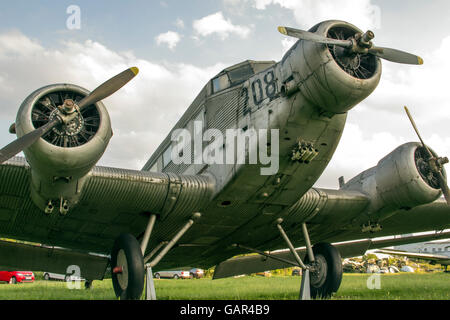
(176, 274)
(62, 277)
(197, 273)
(14, 277)
(297, 272)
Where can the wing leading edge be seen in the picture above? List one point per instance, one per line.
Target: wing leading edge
(113, 201)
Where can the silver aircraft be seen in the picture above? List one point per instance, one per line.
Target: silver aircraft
(187, 207)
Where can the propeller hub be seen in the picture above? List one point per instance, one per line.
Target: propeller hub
(68, 106)
(72, 124)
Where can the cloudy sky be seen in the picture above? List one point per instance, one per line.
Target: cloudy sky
(179, 45)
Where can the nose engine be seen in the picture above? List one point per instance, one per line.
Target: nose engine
(335, 65)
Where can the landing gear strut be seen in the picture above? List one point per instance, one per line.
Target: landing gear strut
(130, 269)
(322, 268)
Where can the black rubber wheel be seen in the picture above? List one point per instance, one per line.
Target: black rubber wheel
(176, 277)
(13, 280)
(157, 276)
(126, 253)
(327, 277)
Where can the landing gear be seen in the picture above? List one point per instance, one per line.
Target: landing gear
(322, 269)
(326, 271)
(130, 269)
(88, 284)
(127, 268)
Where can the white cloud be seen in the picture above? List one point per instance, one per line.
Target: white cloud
(358, 151)
(307, 13)
(142, 113)
(287, 43)
(179, 23)
(14, 42)
(217, 24)
(169, 38)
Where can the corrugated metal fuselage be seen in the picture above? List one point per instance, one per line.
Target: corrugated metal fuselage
(246, 203)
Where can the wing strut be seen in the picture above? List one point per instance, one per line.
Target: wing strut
(305, 289)
(150, 293)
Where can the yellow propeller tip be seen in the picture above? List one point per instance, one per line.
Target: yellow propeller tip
(420, 60)
(135, 70)
(282, 30)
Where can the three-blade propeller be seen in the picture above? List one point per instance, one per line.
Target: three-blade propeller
(436, 163)
(103, 91)
(359, 44)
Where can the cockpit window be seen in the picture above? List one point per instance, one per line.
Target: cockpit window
(220, 83)
(240, 74)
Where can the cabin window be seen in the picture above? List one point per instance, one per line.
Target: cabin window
(154, 168)
(220, 83)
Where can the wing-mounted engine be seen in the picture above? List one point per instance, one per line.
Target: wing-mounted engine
(63, 130)
(62, 158)
(401, 180)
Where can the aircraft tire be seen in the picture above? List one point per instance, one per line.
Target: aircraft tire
(327, 279)
(127, 254)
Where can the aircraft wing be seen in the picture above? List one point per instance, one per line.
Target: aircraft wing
(114, 201)
(256, 263)
(337, 219)
(428, 257)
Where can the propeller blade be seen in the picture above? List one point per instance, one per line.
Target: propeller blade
(27, 140)
(397, 56)
(309, 36)
(444, 187)
(442, 181)
(109, 87)
(417, 132)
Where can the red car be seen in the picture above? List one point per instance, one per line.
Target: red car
(16, 276)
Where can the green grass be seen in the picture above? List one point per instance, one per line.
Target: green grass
(354, 287)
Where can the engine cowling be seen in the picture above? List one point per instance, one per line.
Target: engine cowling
(401, 180)
(325, 75)
(404, 178)
(61, 159)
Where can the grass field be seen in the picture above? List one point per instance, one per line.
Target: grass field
(354, 287)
